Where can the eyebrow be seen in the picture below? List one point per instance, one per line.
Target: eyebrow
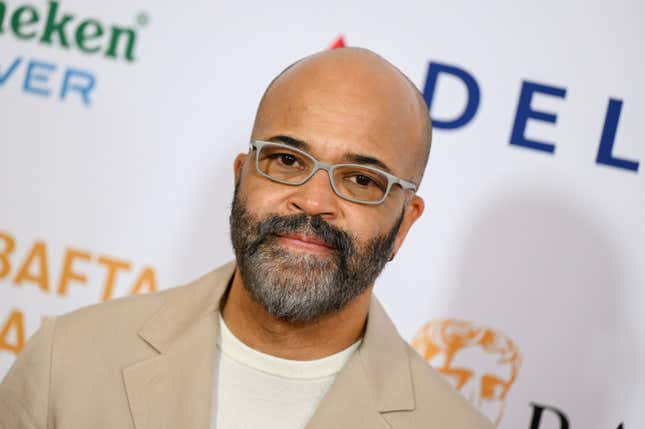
(369, 160)
(298, 144)
(350, 157)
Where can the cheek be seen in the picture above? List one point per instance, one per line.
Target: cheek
(367, 224)
(259, 200)
(262, 196)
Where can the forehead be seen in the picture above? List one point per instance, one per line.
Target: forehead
(345, 110)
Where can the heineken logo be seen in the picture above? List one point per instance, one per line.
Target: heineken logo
(54, 26)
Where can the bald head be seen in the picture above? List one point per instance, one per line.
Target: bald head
(352, 94)
(346, 106)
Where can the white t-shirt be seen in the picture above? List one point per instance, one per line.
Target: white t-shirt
(257, 390)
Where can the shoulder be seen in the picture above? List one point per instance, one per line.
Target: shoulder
(115, 324)
(438, 402)
(103, 335)
(415, 394)
(78, 357)
(128, 312)
(116, 317)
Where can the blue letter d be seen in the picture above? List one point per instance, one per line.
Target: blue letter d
(434, 69)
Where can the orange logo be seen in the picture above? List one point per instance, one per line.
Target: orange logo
(481, 363)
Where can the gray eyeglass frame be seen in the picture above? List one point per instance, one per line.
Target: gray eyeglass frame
(329, 168)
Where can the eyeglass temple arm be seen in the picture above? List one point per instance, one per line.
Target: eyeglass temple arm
(404, 183)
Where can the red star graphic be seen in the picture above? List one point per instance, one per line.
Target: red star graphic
(338, 43)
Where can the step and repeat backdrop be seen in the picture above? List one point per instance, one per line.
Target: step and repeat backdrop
(524, 281)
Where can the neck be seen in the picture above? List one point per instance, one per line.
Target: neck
(255, 327)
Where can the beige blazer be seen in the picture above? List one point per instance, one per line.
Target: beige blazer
(146, 362)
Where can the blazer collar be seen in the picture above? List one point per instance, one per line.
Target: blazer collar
(183, 308)
(384, 355)
(173, 387)
(376, 380)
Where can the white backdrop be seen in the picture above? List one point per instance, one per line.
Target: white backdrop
(544, 248)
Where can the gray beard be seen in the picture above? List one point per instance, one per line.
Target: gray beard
(300, 287)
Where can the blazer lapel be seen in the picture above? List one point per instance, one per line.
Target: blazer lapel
(145, 385)
(349, 402)
(173, 388)
(374, 382)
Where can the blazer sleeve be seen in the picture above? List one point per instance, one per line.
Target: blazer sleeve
(24, 392)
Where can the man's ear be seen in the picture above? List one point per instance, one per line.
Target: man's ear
(413, 211)
(237, 166)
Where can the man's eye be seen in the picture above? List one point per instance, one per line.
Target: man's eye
(361, 180)
(285, 159)
(288, 159)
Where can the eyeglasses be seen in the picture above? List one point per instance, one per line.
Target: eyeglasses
(354, 182)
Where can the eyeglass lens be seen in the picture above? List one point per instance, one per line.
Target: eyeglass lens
(293, 167)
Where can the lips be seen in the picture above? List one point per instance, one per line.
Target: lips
(304, 241)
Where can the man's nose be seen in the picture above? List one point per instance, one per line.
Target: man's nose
(315, 197)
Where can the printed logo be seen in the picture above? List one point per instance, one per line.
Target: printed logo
(481, 363)
(338, 43)
(34, 267)
(57, 28)
(525, 114)
(62, 29)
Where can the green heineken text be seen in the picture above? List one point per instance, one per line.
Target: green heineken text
(54, 27)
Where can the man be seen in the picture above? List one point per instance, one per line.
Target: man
(290, 335)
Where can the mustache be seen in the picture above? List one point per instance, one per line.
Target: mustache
(314, 226)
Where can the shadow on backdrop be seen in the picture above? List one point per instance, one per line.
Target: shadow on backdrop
(539, 267)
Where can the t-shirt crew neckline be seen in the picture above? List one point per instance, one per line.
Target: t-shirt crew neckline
(236, 350)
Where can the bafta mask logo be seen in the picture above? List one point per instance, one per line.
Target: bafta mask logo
(481, 363)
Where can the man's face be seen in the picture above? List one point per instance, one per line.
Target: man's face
(304, 243)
